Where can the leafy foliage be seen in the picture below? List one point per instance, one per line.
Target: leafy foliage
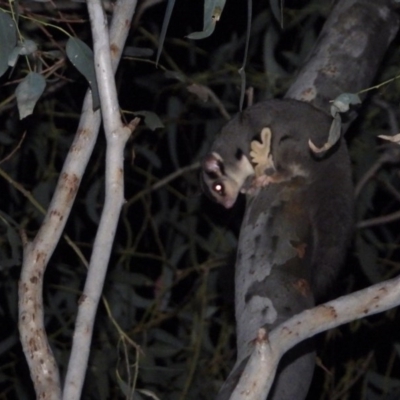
(81, 56)
(166, 327)
(8, 37)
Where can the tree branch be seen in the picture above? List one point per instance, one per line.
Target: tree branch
(42, 366)
(116, 135)
(269, 350)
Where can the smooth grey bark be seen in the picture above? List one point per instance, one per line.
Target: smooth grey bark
(348, 52)
(345, 58)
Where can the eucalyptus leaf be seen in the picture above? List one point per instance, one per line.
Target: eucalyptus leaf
(13, 57)
(100, 371)
(5, 139)
(27, 47)
(140, 301)
(174, 109)
(92, 200)
(167, 338)
(242, 70)
(368, 256)
(151, 119)
(43, 192)
(8, 40)
(140, 52)
(212, 13)
(277, 10)
(14, 241)
(124, 387)
(24, 48)
(167, 17)
(81, 56)
(164, 350)
(148, 393)
(7, 344)
(393, 139)
(272, 66)
(382, 382)
(28, 93)
(175, 75)
(343, 101)
(150, 155)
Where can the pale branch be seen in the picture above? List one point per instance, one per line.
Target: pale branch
(116, 137)
(257, 377)
(42, 365)
(269, 350)
(104, 74)
(382, 220)
(43, 370)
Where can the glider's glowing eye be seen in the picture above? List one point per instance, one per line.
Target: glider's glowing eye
(219, 188)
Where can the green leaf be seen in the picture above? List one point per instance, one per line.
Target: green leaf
(367, 256)
(212, 13)
(242, 71)
(139, 52)
(343, 101)
(277, 10)
(81, 56)
(174, 109)
(148, 393)
(23, 48)
(13, 56)
(7, 344)
(8, 40)
(151, 119)
(149, 155)
(14, 241)
(27, 47)
(167, 17)
(271, 39)
(28, 93)
(92, 200)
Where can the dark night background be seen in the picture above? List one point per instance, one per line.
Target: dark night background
(169, 284)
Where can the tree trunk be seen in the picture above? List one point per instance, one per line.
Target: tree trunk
(345, 58)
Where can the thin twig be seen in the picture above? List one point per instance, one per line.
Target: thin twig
(385, 219)
(14, 150)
